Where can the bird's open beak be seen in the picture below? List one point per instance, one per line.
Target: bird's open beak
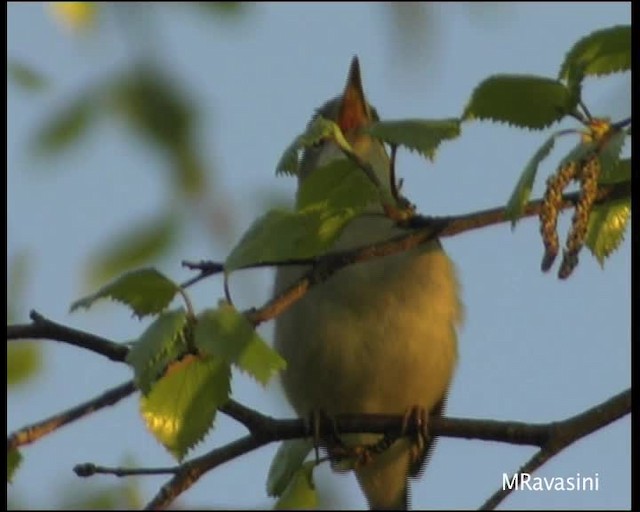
(354, 110)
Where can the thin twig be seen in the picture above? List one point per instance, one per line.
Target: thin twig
(206, 268)
(585, 110)
(191, 471)
(621, 124)
(420, 229)
(33, 432)
(548, 434)
(538, 459)
(88, 469)
(567, 432)
(42, 328)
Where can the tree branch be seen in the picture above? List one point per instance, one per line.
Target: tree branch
(42, 328)
(31, 433)
(552, 437)
(566, 433)
(190, 472)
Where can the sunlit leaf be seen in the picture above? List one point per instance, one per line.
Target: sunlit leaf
(160, 344)
(25, 76)
(146, 291)
(138, 245)
(226, 333)
(600, 53)
(525, 101)
(607, 224)
(318, 130)
(182, 405)
(286, 462)
(522, 191)
(301, 491)
(14, 458)
(421, 135)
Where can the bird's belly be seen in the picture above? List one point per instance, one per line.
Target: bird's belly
(377, 337)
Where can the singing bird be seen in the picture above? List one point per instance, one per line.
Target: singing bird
(378, 336)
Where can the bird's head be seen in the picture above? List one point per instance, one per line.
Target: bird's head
(352, 113)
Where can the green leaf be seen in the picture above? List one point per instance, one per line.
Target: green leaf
(319, 129)
(607, 224)
(327, 200)
(14, 458)
(600, 53)
(24, 360)
(25, 76)
(138, 245)
(289, 161)
(159, 110)
(182, 405)
(340, 185)
(286, 462)
(67, 125)
(618, 174)
(579, 152)
(609, 154)
(281, 235)
(301, 491)
(522, 191)
(226, 333)
(421, 135)
(156, 108)
(146, 291)
(160, 344)
(525, 101)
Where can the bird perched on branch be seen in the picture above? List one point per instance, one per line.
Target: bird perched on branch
(377, 336)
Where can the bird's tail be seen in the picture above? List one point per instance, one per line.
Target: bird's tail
(384, 480)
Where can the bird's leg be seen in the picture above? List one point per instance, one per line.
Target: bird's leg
(417, 416)
(362, 454)
(316, 419)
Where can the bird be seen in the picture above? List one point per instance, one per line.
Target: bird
(378, 336)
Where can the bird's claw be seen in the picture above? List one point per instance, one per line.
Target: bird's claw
(316, 420)
(417, 416)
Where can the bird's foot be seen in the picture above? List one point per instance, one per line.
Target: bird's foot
(416, 416)
(315, 422)
(346, 458)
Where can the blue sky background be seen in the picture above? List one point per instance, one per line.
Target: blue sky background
(533, 348)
